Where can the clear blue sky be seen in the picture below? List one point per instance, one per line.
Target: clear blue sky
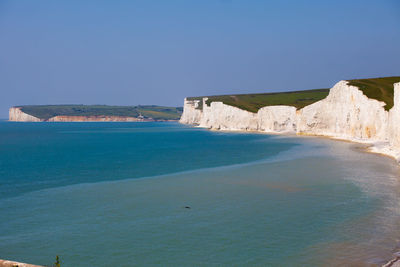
(158, 52)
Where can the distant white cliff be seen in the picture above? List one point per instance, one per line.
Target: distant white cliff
(346, 113)
(16, 114)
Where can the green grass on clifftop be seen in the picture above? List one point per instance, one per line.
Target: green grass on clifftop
(253, 102)
(381, 89)
(45, 112)
(376, 88)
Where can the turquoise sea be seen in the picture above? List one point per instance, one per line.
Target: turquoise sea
(165, 194)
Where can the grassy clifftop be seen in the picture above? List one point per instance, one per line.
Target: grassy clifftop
(253, 102)
(376, 88)
(150, 112)
(381, 89)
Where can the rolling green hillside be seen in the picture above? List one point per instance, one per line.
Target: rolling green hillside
(149, 112)
(378, 88)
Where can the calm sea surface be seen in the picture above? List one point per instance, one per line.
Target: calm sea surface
(118, 194)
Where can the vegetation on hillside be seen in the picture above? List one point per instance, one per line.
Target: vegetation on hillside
(381, 89)
(253, 102)
(45, 112)
(376, 88)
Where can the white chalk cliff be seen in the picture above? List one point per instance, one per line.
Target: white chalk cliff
(346, 113)
(16, 114)
(219, 116)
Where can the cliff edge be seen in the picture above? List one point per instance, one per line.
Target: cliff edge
(345, 113)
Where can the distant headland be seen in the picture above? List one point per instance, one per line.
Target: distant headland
(71, 113)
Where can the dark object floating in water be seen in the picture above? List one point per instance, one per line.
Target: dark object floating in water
(187, 207)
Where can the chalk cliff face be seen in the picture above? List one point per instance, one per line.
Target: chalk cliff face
(191, 113)
(15, 114)
(346, 113)
(394, 122)
(219, 116)
(223, 117)
(277, 119)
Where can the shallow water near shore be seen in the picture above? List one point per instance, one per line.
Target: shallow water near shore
(148, 194)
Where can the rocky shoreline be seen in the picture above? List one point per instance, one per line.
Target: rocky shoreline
(6, 263)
